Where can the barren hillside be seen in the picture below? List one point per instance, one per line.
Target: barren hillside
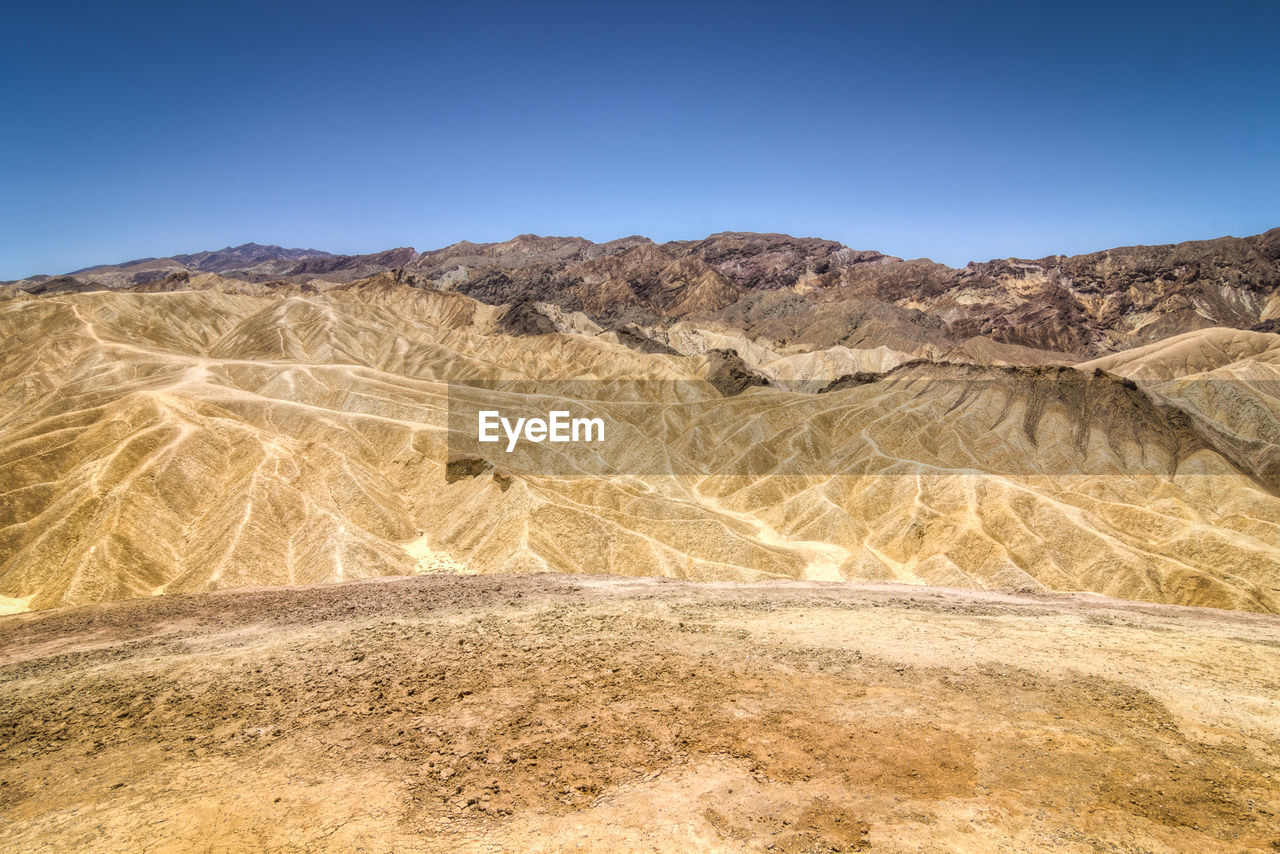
(588, 714)
(218, 433)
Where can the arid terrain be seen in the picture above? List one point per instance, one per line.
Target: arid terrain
(781, 407)
(878, 554)
(562, 713)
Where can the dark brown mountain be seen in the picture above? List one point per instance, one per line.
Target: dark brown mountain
(802, 292)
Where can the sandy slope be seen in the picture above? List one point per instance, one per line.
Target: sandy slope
(1191, 353)
(548, 713)
(193, 440)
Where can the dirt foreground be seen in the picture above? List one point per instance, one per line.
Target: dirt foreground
(553, 713)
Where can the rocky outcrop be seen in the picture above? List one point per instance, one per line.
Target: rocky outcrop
(730, 375)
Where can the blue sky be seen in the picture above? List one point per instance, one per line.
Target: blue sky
(948, 130)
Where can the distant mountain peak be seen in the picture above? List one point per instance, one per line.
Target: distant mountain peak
(245, 255)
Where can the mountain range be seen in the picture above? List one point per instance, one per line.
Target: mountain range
(797, 291)
(260, 416)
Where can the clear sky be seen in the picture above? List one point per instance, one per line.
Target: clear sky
(956, 131)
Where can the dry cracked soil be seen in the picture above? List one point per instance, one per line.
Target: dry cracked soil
(553, 713)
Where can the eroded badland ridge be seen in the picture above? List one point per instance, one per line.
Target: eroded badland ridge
(265, 416)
